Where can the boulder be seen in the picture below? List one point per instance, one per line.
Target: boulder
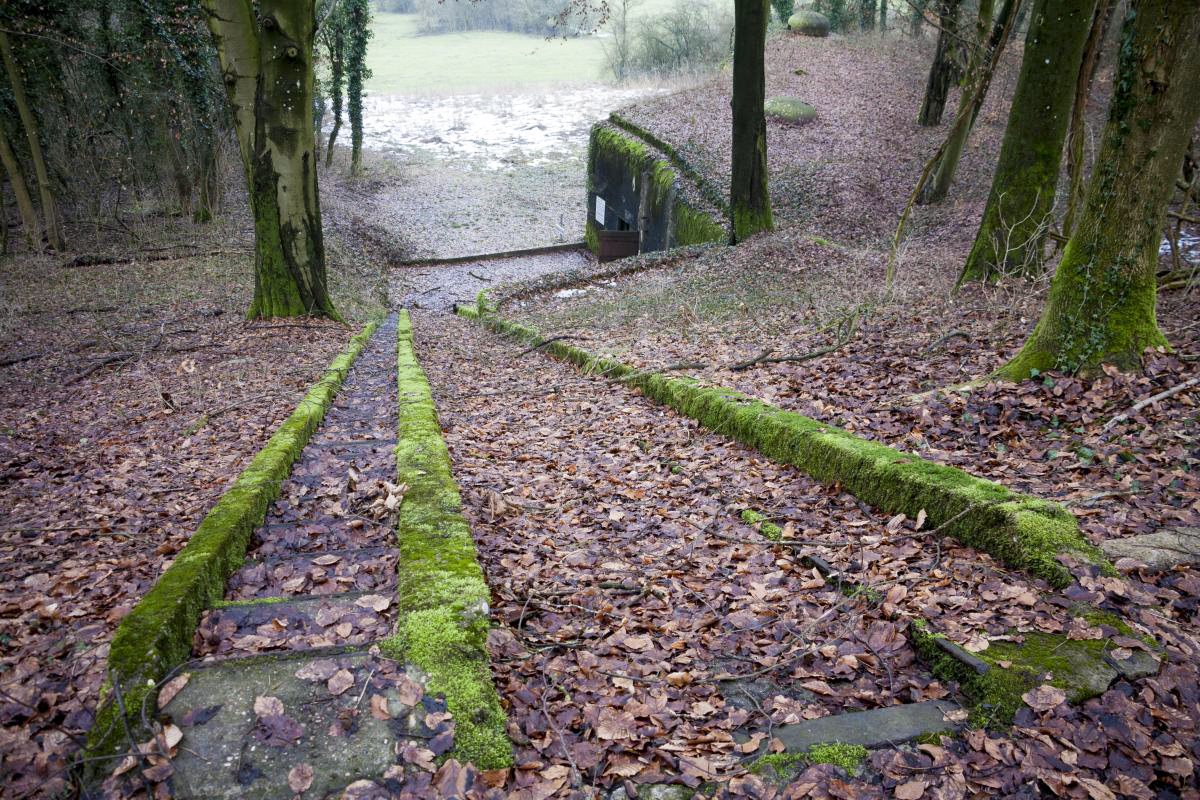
(790, 109)
(809, 23)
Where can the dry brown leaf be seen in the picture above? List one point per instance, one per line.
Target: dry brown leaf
(266, 705)
(340, 681)
(171, 688)
(300, 777)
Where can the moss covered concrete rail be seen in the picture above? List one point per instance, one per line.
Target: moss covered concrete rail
(1024, 532)
(441, 593)
(156, 635)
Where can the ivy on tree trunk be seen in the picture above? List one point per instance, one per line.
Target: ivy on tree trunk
(266, 63)
(947, 63)
(749, 199)
(1101, 308)
(1017, 216)
(358, 32)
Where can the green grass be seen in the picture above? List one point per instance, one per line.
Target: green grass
(403, 61)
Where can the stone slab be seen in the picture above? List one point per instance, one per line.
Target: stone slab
(875, 728)
(1162, 549)
(231, 751)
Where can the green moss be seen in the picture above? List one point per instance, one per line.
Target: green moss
(441, 588)
(849, 757)
(449, 648)
(783, 766)
(591, 238)
(1022, 531)
(255, 601)
(157, 634)
(765, 526)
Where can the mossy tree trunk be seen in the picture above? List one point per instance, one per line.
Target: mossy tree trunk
(980, 69)
(358, 26)
(16, 179)
(266, 61)
(332, 35)
(749, 199)
(1101, 308)
(1076, 133)
(52, 227)
(1016, 217)
(947, 65)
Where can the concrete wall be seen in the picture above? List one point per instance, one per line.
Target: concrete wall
(640, 188)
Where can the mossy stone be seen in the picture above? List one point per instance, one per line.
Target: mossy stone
(809, 23)
(790, 109)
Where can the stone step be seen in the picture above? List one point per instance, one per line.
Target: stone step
(297, 624)
(1163, 549)
(320, 534)
(253, 726)
(324, 573)
(875, 728)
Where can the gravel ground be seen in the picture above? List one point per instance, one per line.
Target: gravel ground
(444, 208)
(441, 286)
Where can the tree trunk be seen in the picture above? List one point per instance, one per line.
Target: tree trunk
(946, 67)
(1101, 308)
(1075, 136)
(53, 230)
(16, 178)
(266, 61)
(749, 199)
(358, 29)
(883, 16)
(336, 79)
(1017, 215)
(916, 17)
(975, 89)
(867, 15)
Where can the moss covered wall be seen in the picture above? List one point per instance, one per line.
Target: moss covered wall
(157, 634)
(635, 181)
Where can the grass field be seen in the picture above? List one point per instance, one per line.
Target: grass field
(405, 61)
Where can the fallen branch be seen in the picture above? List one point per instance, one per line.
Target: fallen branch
(846, 329)
(946, 338)
(96, 261)
(478, 277)
(1138, 406)
(545, 342)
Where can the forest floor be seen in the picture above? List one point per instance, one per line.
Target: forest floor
(839, 185)
(133, 393)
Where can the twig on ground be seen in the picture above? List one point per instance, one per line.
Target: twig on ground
(478, 277)
(1138, 406)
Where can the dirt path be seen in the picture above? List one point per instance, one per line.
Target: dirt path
(439, 287)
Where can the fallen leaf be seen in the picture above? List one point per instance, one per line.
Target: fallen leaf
(342, 680)
(910, 790)
(171, 688)
(266, 704)
(1044, 698)
(300, 777)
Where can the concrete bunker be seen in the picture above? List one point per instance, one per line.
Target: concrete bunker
(637, 201)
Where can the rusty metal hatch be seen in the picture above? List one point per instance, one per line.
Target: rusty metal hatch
(617, 244)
